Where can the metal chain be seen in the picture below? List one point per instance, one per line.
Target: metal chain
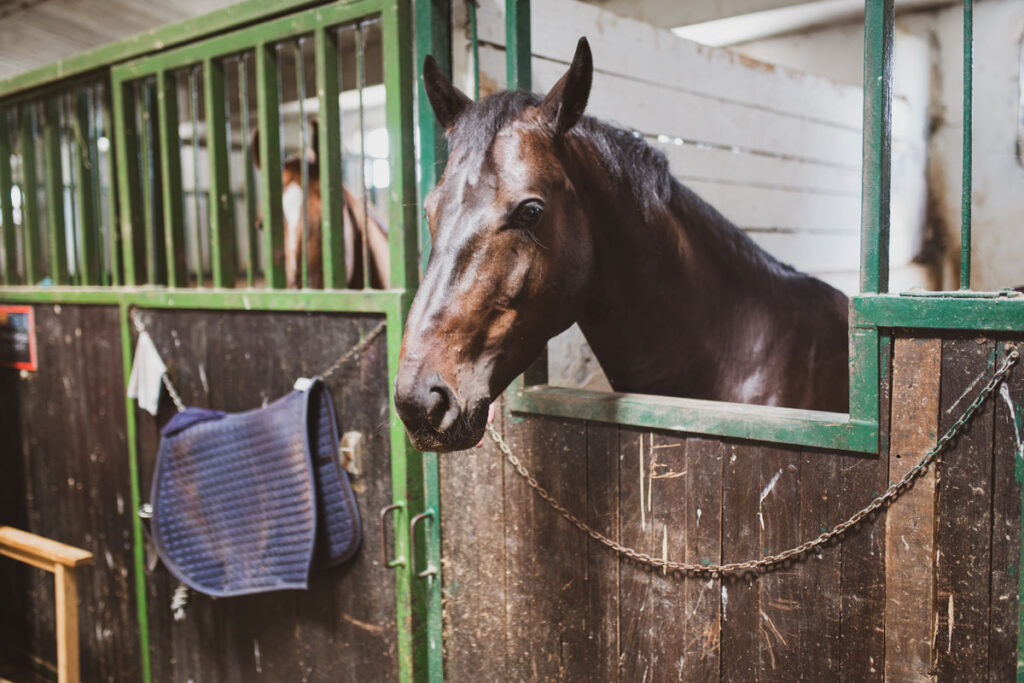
(890, 495)
(345, 357)
(354, 351)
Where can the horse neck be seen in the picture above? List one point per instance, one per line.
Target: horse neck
(666, 286)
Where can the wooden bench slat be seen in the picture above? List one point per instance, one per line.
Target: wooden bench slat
(28, 545)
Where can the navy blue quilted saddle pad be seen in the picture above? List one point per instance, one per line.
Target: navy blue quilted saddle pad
(249, 502)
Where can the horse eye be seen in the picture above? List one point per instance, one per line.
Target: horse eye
(526, 215)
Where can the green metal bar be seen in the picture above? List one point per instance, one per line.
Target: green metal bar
(88, 250)
(29, 193)
(54, 193)
(519, 71)
(252, 254)
(874, 233)
(197, 213)
(221, 204)
(138, 542)
(267, 98)
(355, 301)
(433, 37)
(163, 38)
(170, 176)
(69, 189)
(968, 157)
(864, 345)
(832, 431)
(96, 97)
(113, 247)
(474, 47)
(149, 181)
(300, 86)
(128, 179)
(418, 607)
(398, 80)
(360, 85)
(276, 30)
(332, 207)
(952, 313)
(10, 243)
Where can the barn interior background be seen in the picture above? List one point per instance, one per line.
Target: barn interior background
(766, 123)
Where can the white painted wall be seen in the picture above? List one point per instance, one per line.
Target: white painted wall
(936, 36)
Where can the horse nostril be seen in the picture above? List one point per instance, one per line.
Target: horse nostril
(441, 408)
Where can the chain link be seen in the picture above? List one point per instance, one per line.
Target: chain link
(354, 351)
(891, 494)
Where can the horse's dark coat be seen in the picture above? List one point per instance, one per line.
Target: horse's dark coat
(672, 297)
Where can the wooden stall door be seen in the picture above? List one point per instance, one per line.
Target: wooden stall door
(343, 627)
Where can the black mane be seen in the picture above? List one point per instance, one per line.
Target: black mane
(632, 164)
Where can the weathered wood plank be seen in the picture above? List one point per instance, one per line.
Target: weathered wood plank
(602, 563)
(862, 646)
(819, 579)
(964, 512)
(1007, 476)
(778, 520)
(910, 528)
(702, 542)
(546, 557)
(636, 530)
(473, 561)
(742, 640)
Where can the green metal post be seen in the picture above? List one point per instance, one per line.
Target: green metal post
(221, 204)
(878, 31)
(433, 37)
(112, 249)
(474, 47)
(332, 208)
(88, 251)
(267, 99)
(965, 195)
(419, 604)
(517, 41)
(54, 193)
(150, 183)
(6, 206)
(170, 175)
(138, 542)
(252, 255)
(29, 193)
(128, 180)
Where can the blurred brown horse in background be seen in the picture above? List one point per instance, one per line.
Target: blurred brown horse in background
(362, 225)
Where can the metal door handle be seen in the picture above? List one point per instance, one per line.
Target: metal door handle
(384, 512)
(429, 571)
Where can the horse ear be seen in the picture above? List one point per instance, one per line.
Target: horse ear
(446, 100)
(254, 146)
(567, 99)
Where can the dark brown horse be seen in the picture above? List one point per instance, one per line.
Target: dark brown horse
(545, 217)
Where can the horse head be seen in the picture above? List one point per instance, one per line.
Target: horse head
(509, 267)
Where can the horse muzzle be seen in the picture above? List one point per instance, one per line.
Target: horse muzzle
(433, 417)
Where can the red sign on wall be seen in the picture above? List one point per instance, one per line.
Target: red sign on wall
(18, 337)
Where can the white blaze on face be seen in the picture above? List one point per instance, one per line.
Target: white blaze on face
(291, 203)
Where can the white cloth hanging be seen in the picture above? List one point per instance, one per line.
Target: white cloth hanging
(147, 374)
